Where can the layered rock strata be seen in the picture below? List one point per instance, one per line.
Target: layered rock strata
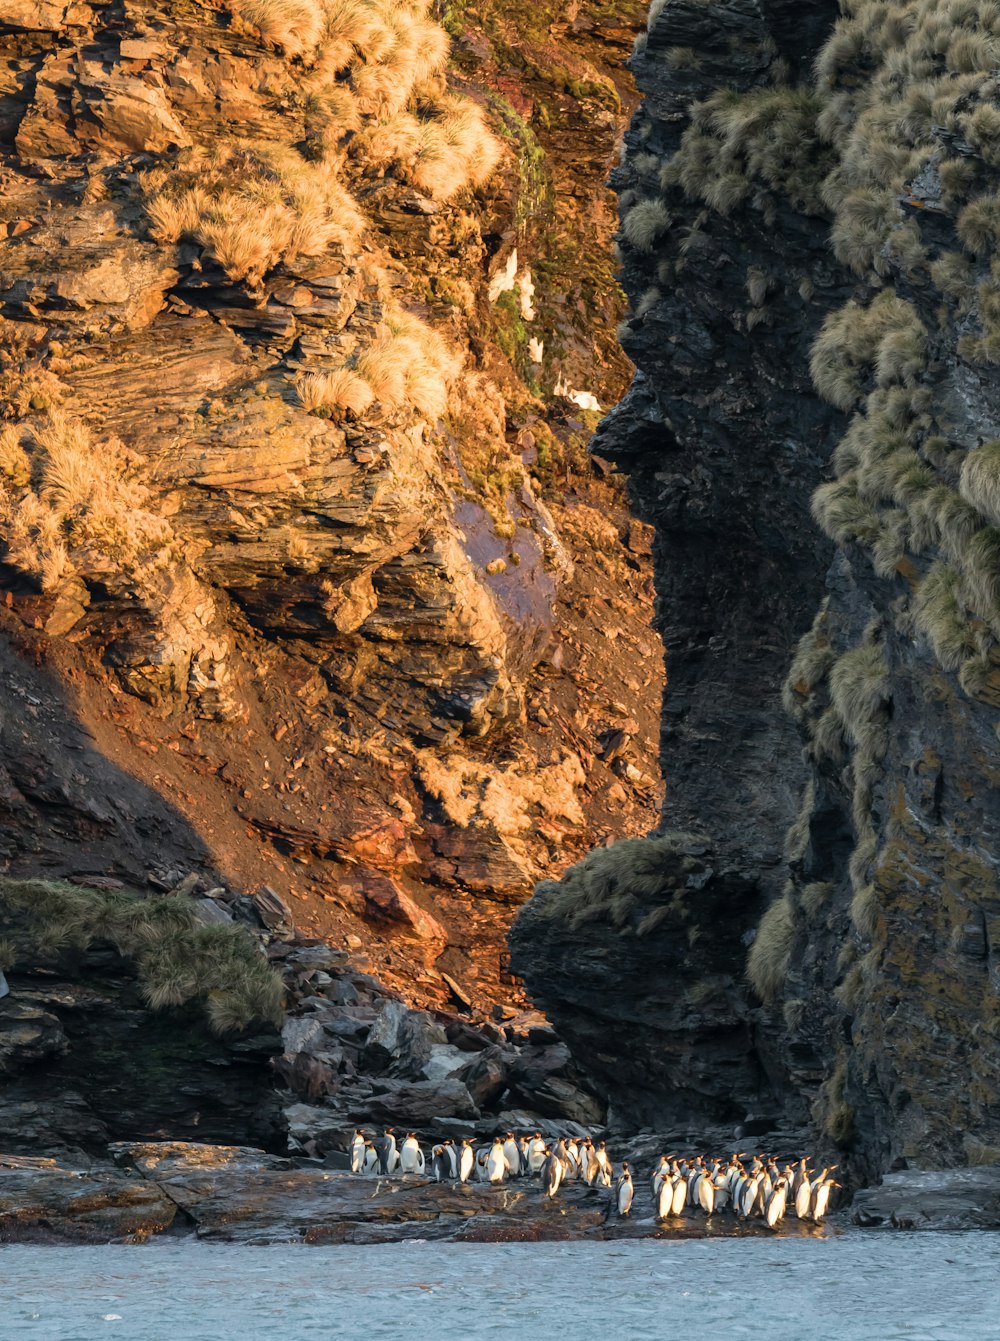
(308, 581)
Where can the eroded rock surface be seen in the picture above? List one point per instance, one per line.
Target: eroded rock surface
(811, 431)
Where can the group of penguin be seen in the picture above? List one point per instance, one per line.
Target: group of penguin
(760, 1190)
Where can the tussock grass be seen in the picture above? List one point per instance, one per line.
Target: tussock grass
(409, 363)
(250, 206)
(767, 962)
(636, 883)
(886, 337)
(295, 26)
(376, 67)
(176, 958)
(979, 482)
(341, 389)
(814, 896)
(768, 137)
(644, 224)
(859, 689)
(444, 151)
(73, 502)
(813, 658)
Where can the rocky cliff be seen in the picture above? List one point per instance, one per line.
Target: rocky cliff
(308, 311)
(808, 212)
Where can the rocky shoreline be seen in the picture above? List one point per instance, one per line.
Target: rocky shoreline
(148, 1191)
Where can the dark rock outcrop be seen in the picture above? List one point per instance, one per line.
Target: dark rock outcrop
(83, 1061)
(807, 206)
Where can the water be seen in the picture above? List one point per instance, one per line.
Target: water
(849, 1287)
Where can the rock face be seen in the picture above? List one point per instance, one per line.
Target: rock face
(83, 1061)
(805, 203)
(307, 580)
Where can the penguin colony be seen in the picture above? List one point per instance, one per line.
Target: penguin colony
(758, 1190)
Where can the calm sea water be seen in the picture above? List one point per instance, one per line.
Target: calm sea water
(850, 1287)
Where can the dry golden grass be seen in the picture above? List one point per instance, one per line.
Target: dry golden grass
(341, 389)
(409, 364)
(442, 152)
(252, 205)
(76, 502)
(294, 25)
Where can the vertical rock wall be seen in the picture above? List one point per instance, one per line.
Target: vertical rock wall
(809, 208)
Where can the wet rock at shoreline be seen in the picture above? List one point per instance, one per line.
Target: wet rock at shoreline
(942, 1199)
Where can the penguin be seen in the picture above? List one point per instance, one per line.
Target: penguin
(680, 1188)
(496, 1162)
(774, 1207)
(452, 1156)
(660, 1175)
(748, 1196)
(803, 1196)
(604, 1172)
(512, 1155)
(562, 1152)
(357, 1151)
(388, 1154)
(821, 1198)
(721, 1184)
(536, 1153)
(411, 1158)
(552, 1173)
(624, 1191)
(665, 1199)
(440, 1164)
(588, 1163)
(522, 1149)
(466, 1161)
(482, 1154)
(573, 1146)
(706, 1193)
(371, 1160)
(799, 1176)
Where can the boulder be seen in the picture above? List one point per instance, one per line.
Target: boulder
(420, 1103)
(486, 1076)
(303, 1034)
(28, 1034)
(274, 911)
(445, 1060)
(382, 1047)
(941, 1199)
(401, 1040)
(542, 1079)
(389, 902)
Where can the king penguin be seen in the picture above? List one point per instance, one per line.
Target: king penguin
(411, 1157)
(496, 1162)
(624, 1191)
(513, 1156)
(466, 1161)
(552, 1174)
(357, 1151)
(774, 1207)
(536, 1153)
(821, 1198)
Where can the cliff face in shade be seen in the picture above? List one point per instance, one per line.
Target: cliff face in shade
(807, 219)
(360, 650)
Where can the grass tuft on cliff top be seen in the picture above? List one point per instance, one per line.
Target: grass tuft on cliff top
(177, 959)
(635, 878)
